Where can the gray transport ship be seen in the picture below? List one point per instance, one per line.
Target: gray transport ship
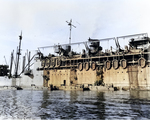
(11, 77)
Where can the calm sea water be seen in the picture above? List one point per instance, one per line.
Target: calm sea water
(29, 104)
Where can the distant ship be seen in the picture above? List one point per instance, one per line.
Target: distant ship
(5, 79)
(25, 78)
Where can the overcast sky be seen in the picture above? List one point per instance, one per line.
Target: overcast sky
(43, 22)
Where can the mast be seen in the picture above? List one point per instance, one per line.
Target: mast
(5, 60)
(23, 63)
(70, 24)
(29, 61)
(18, 54)
(11, 63)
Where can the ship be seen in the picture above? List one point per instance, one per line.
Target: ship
(27, 77)
(12, 77)
(5, 79)
(94, 67)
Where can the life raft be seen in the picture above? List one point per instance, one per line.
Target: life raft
(123, 63)
(80, 66)
(53, 62)
(58, 62)
(108, 64)
(47, 63)
(93, 65)
(87, 66)
(115, 64)
(142, 62)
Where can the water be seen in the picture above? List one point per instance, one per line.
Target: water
(29, 104)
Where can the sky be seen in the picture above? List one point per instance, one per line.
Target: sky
(43, 22)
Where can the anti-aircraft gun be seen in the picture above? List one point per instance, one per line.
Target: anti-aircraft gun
(139, 43)
(64, 50)
(94, 47)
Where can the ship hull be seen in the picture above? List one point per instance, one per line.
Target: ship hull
(133, 77)
(5, 81)
(35, 79)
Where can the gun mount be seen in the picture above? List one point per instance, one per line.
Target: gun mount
(94, 47)
(136, 42)
(62, 51)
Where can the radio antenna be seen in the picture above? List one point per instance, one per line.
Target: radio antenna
(70, 24)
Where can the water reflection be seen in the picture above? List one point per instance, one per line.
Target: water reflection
(139, 101)
(28, 104)
(140, 95)
(101, 105)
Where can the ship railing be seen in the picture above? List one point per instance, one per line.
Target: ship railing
(134, 35)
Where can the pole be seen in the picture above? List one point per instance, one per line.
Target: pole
(70, 24)
(70, 36)
(29, 61)
(18, 54)
(11, 63)
(23, 64)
